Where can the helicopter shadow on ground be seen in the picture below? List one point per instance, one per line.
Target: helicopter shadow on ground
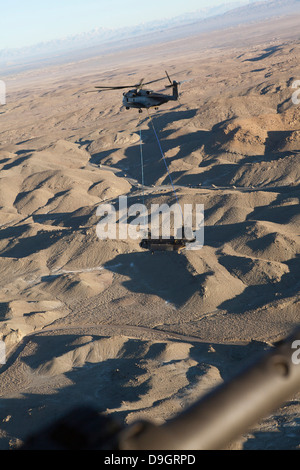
(164, 274)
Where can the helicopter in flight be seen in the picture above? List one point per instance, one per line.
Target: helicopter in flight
(140, 98)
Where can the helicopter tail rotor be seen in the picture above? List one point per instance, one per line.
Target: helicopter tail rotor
(169, 79)
(173, 84)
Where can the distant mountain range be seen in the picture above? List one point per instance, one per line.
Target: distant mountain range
(226, 15)
(103, 35)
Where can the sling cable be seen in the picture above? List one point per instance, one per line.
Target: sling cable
(161, 243)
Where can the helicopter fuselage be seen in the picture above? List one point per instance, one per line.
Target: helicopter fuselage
(147, 98)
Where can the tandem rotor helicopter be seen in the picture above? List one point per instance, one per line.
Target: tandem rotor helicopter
(140, 98)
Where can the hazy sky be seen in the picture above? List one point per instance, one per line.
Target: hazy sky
(28, 22)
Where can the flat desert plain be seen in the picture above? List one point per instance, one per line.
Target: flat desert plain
(105, 322)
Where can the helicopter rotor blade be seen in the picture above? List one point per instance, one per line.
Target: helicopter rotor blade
(113, 87)
(153, 81)
(138, 86)
(169, 78)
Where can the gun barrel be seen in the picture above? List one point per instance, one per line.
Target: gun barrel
(230, 409)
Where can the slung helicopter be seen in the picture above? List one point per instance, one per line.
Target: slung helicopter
(141, 98)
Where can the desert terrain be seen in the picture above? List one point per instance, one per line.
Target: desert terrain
(104, 322)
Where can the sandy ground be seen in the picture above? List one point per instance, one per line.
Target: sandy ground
(104, 322)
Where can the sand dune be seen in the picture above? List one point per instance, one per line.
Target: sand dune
(105, 322)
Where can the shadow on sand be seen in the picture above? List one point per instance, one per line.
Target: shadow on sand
(106, 384)
(165, 274)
